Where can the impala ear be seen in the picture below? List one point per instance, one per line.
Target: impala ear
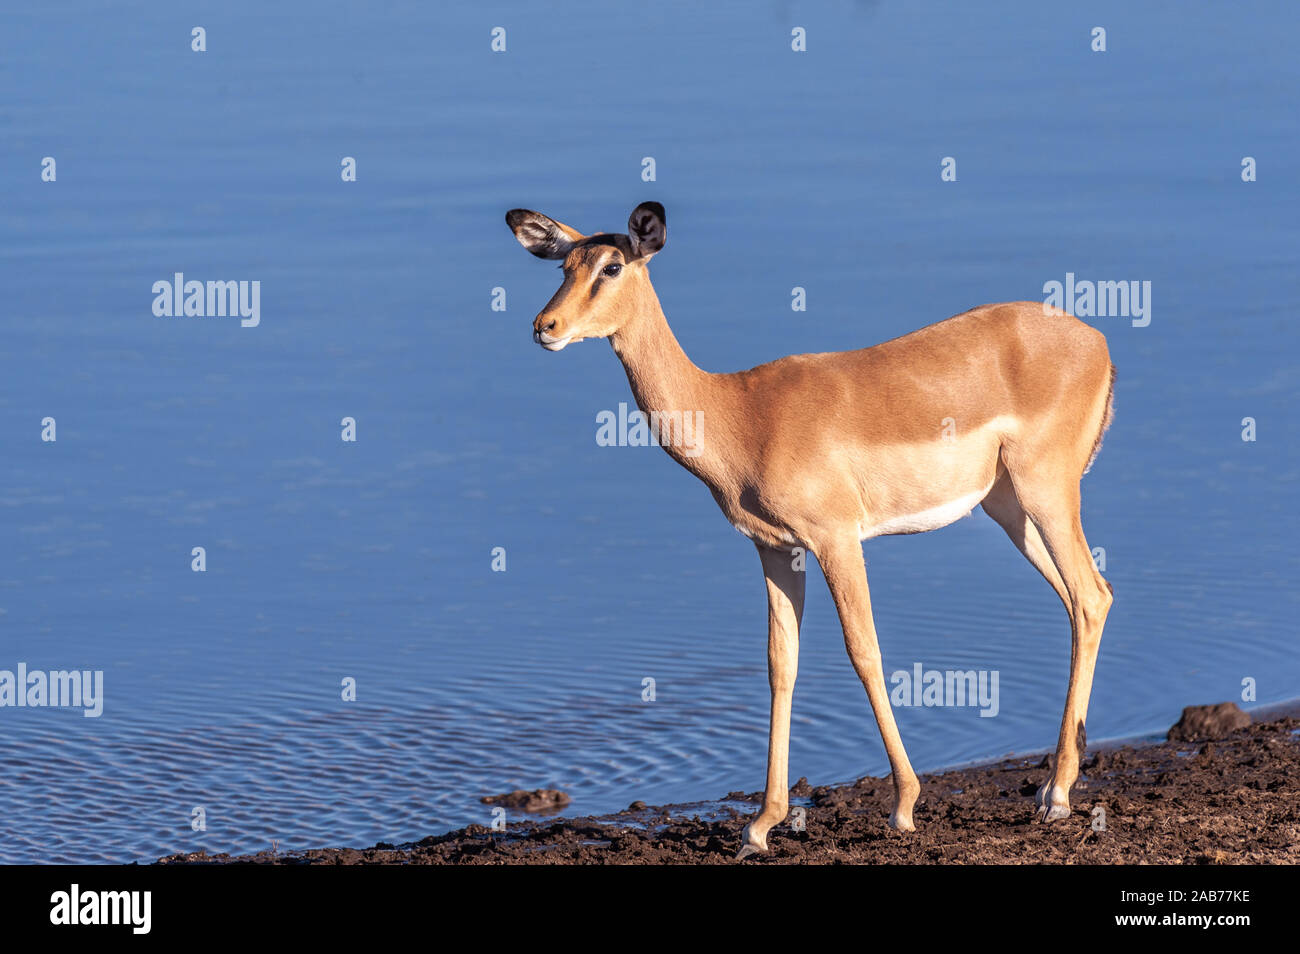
(542, 236)
(647, 228)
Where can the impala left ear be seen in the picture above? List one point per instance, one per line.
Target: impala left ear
(541, 234)
(647, 228)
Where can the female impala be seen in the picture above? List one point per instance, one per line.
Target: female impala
(1002, 406)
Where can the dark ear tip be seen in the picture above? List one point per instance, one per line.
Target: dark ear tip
(655, 208)
(515, 217)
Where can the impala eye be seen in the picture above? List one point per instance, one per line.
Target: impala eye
(611, 271)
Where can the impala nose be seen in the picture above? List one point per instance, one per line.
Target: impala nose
(542, 325)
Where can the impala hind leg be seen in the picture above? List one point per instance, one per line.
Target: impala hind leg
(1088, 599)
(1001, 504)
(846, 576)
(785, 593)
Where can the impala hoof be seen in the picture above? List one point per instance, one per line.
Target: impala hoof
(1051, 813)
(1053, 802)
(901, 822)
(753, 844)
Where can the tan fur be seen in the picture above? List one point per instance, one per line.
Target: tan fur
(1002, 405)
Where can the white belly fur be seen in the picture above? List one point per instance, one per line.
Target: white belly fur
(931, 519)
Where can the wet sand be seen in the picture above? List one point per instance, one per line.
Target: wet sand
(1232, 800)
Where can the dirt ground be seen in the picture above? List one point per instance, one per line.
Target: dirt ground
(1229, 801)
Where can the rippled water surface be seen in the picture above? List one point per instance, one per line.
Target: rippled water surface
(372, 560)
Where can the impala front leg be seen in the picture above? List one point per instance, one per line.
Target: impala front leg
(846, 577)
(785, 591)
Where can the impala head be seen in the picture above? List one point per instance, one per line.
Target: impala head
(606, 281)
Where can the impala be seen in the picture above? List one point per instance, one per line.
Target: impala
(1003, 406)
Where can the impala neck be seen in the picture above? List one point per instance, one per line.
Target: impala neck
(665, 380)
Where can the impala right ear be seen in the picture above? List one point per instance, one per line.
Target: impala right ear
(542, 236)
(647, 228)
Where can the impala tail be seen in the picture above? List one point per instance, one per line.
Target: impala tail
(1106, 418)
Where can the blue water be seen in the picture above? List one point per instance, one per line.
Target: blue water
(372, 560)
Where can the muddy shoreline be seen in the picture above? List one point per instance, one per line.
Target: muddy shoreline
(1230, 800)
